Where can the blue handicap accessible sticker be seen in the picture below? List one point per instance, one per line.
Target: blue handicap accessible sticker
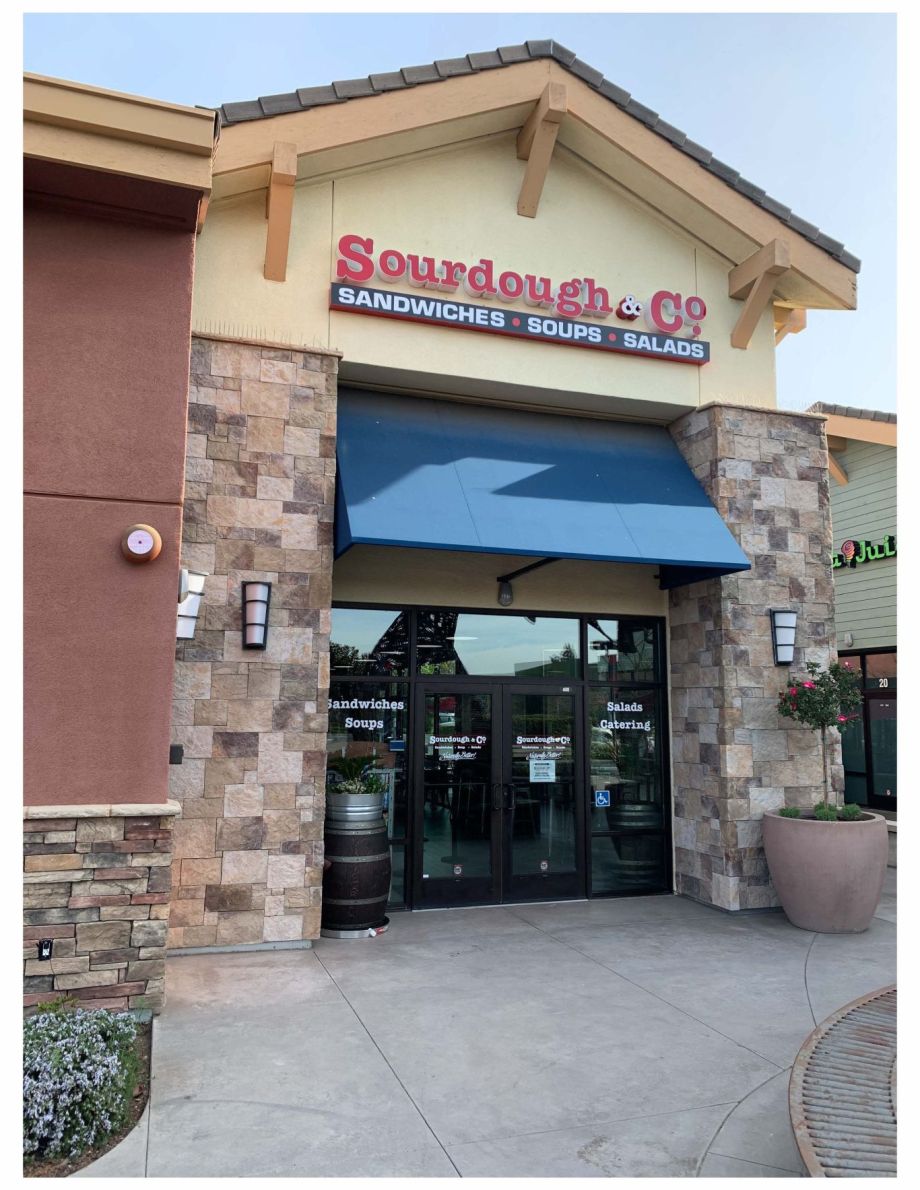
(601, 798)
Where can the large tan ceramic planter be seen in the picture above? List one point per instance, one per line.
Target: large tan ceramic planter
(827, 875)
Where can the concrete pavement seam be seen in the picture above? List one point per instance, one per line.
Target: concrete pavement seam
(733, 1156)
(595, 1124)
(811, 946)
(649, 992)
(373, 1041)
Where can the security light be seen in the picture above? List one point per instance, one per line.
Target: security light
(191, 589)
(505, 594)
(256, 598)
(783, 626)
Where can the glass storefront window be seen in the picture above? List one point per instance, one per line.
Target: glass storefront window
(368, 726)
(621, 649)
(627, 863)
(365, 642)
(853, 744)
(869, 740)
(515, 646)
(883, 730)
(881, 671)
(625, 763)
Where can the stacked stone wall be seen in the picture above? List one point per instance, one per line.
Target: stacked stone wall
(97, 885)
(734, 757)
(259, 499)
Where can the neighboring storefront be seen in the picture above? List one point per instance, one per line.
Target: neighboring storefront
(863, 457)
(483, 385)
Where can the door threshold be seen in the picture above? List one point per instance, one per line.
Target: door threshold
(505, 905)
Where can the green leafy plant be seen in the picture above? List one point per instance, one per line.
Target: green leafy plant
(826, 699)
(366, 784)
(791, 812)
(79, 1074)
(825, 813)
(850, 812)
(350, 767)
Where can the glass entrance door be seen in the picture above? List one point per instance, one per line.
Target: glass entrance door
(499, 800)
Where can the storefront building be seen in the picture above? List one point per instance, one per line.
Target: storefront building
(482, 412)
(863, 465)
(483, 387)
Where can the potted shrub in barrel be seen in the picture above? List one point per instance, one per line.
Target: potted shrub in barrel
(357, 868)
(827, 867)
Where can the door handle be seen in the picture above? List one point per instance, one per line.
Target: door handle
(509, 794)
(498, 800)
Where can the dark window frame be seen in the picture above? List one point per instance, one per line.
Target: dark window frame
(874, 801)
(583, 681)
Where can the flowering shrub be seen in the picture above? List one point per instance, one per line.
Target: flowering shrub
(79, 1073)
(824, 699)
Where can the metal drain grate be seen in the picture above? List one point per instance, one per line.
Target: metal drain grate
(842, 1093)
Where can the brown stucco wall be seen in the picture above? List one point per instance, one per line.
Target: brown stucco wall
(107, 310)
(107, 307)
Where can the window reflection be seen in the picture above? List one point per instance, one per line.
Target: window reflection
(516, 646)
(625, 762)
(369, 643)
(621, 649)
(368, 723)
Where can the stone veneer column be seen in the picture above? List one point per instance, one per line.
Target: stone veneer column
(259, 500)
(96, 884)
(733, 755)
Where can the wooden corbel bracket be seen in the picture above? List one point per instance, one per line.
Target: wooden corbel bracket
(787, 322)
(279, 207)
(535, 144)
(837, 446)
(753, 281)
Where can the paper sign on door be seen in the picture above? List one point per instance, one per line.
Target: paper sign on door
(542, 770)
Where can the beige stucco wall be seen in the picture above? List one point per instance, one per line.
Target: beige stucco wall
(449, 578)
(461, 204)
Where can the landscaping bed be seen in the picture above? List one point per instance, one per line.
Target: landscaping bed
(81, 1075)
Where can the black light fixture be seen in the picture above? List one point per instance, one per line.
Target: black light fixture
(256, 598)
(505, 592)
(191, 590)
(782, 624)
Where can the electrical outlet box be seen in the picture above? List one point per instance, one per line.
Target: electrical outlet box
(44, 949)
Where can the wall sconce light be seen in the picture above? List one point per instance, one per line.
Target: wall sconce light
(256, 598)
(191, 589)
(505, 593)
(783, 627)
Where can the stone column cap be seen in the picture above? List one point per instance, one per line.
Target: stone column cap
(167, 809)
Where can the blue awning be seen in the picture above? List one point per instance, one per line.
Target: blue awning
(437, 475)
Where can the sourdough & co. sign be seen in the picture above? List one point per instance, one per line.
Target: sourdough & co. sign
(563, 307)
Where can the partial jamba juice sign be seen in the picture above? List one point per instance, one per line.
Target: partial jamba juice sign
(557, 306)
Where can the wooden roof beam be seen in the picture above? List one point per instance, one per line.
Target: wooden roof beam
(535, 144)
(279, 210)
(787, 322)
(837, 470)
(754, 281)
(862, 429)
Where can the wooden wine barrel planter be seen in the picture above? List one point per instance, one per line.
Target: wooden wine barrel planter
(356, 879)
(633, 816)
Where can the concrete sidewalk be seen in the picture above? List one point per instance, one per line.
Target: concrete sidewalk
(646, 1037)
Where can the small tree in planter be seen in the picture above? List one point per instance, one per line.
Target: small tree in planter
(823, 700)
(828, 877)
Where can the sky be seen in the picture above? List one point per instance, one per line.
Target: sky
(804, 105)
